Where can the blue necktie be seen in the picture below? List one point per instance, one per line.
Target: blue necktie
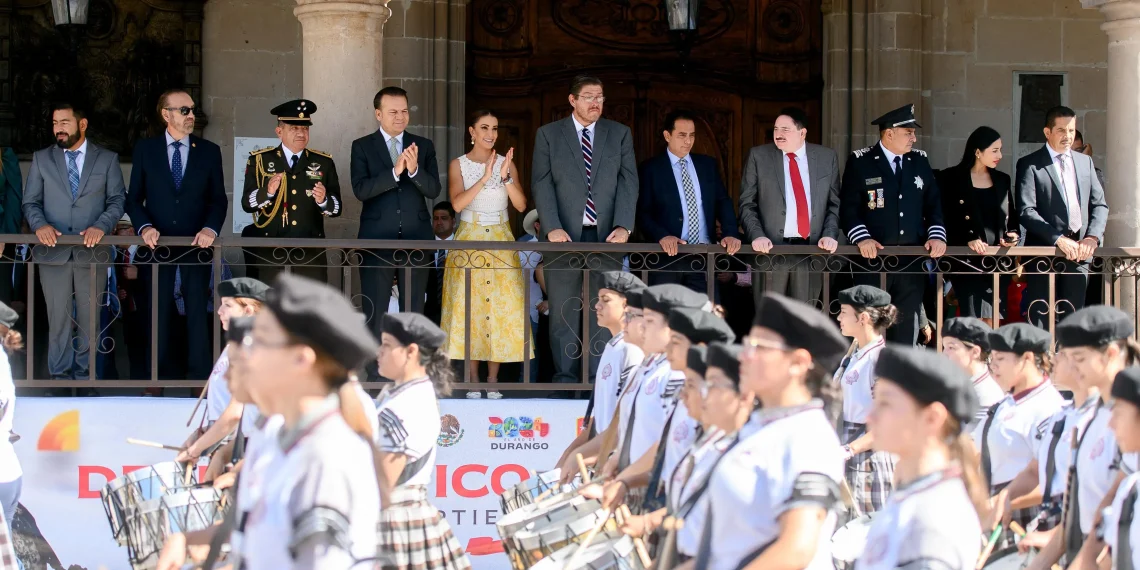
(73, 173)
(176, 165)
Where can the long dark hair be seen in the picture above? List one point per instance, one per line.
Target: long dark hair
(438, 367)
(979, 140)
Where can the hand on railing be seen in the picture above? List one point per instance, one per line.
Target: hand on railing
(828, 244)
(762, 245)
(47, 235)
(869, 248)
(936, 247)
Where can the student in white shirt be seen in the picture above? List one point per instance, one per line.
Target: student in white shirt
(1097, 341)
(773, 495)
(240, 297)
(319, 504)
(1121, 527)
(412, 533)
(965, 340)
(865, 314)
(922, 405)
(619, 358)
(11, 473)
(1007, 437)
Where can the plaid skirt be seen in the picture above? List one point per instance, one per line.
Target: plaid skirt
(412, 535)
(1021, 516)
(870, 474)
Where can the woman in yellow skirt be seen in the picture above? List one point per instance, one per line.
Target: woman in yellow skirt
(481, 184)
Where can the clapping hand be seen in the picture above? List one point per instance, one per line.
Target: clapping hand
(488, 168)
(274, 184)
(319, 193)
(411, 158)
(505, 170)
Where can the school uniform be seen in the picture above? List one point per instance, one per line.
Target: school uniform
(1097, 465)
(251, 479)
(218, 396)
(688, 499)
(929, 522)
(412, 532)
(976, 332)
(618, 361)
(988, 392)
(319, 505)
(1122, 526)
(792, 459)
(1054, 455)
(870, 474)
(643, 409)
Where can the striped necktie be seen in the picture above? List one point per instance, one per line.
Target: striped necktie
(73, 172)
(588, 155)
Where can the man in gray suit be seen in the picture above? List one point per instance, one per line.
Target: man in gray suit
(74, 188)
(790, 196)
(584, 182)
(1062, 204)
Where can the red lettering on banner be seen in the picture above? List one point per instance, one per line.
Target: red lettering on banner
(459, 483)
(86, 471)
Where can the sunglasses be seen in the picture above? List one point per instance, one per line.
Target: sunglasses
(184, 111)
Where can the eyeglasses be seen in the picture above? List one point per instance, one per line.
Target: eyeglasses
(184, 111)
(752, 343)
(593, 98)
(248, 343)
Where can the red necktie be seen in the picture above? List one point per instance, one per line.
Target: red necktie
(803, 221)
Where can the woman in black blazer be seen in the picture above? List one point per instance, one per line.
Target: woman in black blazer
(979, 211)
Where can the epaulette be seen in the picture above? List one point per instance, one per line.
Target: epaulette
(859, 153)
(320, 152)
(920, 152)
(261, 150)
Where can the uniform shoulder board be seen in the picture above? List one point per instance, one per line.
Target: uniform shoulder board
(261, 150)
(859, 153)
(919, 152)
(815, 488)
(393, 426)
(320, 152)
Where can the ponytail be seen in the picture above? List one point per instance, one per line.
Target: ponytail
(1044, 362)
(1131, 350)
(353, 411)
(961, 449)
(438, 367)
(821, 385)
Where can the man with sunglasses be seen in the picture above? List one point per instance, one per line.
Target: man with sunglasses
(178, 190)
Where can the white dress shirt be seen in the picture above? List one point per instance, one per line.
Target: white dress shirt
(890, 157)
(578, 129)
(791, 227)
(686, 223)
(399, 148)
(1069, 179)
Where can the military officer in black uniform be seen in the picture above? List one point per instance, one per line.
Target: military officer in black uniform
(889, 197)
(290, 189)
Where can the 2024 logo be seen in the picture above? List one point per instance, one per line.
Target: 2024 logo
(520, 427)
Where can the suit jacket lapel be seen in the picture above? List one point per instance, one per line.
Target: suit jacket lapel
(665, 169)
(818, 191)
(570, 131)
(599, 142)
(779, 169)
(88, 165)
(1054, 173)
(1081, 173)
(382, 148)
(60, 160)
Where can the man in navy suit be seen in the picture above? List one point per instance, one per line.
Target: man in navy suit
(392, 172)
(682, 198)
(178, 189)
(1062, 204)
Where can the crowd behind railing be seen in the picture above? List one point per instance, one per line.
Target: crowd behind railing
(132, 267)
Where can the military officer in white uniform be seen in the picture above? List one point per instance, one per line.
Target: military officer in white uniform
(921, 411)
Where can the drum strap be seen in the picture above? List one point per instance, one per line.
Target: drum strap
(687, 506)
(653, 500)
(239, 441)
(411, 469)
(623, 457)
(1051, 463)
(1123, 530)
(987, 467)
(223, 532)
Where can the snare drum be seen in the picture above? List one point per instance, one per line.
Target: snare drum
(1008, 559)
(151, 522)
(514, 521)
(609, 551)
(122, 495)
(543, 537)
(848, 542)
(527, 492)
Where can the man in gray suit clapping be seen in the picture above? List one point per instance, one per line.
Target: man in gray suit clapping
(74, 188)
(790, 196)
(584, 182)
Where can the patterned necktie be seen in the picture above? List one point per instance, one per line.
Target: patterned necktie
(73, 172)
(176, 165)
(803, 221)
(393, 149)
(587, 155)
(1069, 182)
(693, 236)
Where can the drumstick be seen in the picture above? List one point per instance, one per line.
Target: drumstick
(849, 497)
(989, 548)
(197, 404)
(190, 466)
(638, 543)
(157, 445)
(673, 523)
(589, 538)
(1016, 528)
(582, 469)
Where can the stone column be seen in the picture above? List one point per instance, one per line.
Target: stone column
(342, 58)
(1122, 24)
(424, 52)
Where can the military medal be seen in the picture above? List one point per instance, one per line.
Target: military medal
(870, 199)
(314, 171)
(918, 182)
(880, 200)
(309, 193)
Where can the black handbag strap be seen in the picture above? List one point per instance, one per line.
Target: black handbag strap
(1051, 463)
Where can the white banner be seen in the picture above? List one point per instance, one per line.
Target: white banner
(71, 448)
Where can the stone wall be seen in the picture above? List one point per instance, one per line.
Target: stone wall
(956, 61)
(251, 52)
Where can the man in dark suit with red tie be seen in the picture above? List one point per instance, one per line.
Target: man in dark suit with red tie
(681, 199)
(178, 189)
